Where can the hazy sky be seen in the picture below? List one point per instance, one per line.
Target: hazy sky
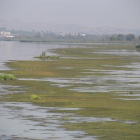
(88, 13)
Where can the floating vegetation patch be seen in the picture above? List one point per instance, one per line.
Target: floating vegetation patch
(63, 52)
(5, 76)
(34, 96)
(44, 56)
(52, 57)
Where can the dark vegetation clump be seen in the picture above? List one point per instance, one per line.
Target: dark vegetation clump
(138, 46)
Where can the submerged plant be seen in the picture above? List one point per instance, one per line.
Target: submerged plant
(33, 96)
(5, 76)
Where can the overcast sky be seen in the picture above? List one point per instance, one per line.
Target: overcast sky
(88, 13)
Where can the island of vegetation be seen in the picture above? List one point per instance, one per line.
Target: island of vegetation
(44, 56)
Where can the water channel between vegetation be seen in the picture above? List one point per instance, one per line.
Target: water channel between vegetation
(23, 120)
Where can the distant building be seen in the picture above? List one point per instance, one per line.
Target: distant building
(62, 34)
(9, 36)
(6, 34)
(83, 35)
(72, 34)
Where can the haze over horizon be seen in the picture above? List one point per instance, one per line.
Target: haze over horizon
(69, 14)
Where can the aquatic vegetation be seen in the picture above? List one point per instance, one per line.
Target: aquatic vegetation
(130, 92)
(63, 52)
(138, 46)
(44, 56)
(84, 63)
(34, 96)
(109, 130)
(4, 76)
(52, 57)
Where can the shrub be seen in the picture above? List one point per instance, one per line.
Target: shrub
(33, 97)
(63, 52)
(43, 56)
(5, 76)
(138, 46)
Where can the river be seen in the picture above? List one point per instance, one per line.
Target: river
(22, 121)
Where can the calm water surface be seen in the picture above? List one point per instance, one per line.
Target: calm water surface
(23, 51)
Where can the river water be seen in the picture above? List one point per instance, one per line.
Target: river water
(25, 121)
(22, 121)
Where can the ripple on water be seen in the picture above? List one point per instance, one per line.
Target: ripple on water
(27, 121)
(4, 89)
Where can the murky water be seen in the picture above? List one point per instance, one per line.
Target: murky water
(23, 120)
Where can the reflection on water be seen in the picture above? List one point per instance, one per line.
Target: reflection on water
(3, 89)
(120, 52)
(27, 121)
(24, 51)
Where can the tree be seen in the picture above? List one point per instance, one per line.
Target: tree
(130, 37)
(120, 37)
(138, 46)
(37, 35)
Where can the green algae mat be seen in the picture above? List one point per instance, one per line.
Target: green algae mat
(103, 81)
